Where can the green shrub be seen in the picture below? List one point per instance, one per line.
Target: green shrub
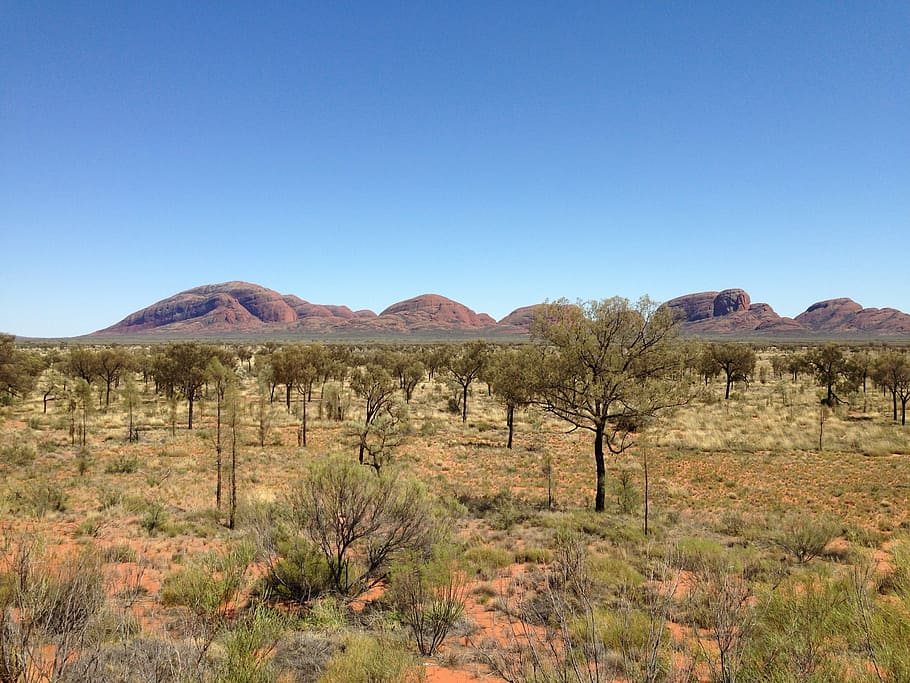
(208, 585)
(247, 645)
(122, 465)
(429, 596)
(17, 454)
(805, 537)
(372, 660)
(117, 554)
(611, 573)
(46, 497)
(154, 519)
(108, 498)
(697, 552)
(90, 526)
(533, 555)
(485, 560)
(627, 496)
(300, 573)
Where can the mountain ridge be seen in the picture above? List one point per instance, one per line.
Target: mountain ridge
(236, 307)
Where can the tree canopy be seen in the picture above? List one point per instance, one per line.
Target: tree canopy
(607, 366)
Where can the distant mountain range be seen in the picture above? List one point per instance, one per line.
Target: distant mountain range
(237, 309)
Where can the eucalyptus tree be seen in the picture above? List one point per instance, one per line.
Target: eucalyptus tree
(18, 369)
(220, 379)
(110, 364)
(466, 365)
(735, 361)
(511, 376)
(607, 367)
(891, 370)
(377, 388)
(182, 367)
(831, 368)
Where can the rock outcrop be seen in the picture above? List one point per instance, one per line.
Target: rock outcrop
(233, 308)
(434, 311)
(845, 316)
(728, 312)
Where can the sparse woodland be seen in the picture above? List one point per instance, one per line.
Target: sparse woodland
(604, 503)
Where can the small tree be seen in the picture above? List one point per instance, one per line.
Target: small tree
(736, 361)
(377, 388)
(220, 378)
(465, 366)
(232, 403)
(830, 366)
(511, 376)
(359, 523)
(111, 363)
(607, 367)
(891, 370)
(429, 595)
(18, 370)
(130, 396)
(83, 392)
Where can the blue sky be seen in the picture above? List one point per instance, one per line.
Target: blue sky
(496, 153)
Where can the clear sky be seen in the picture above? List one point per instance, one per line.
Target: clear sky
(498, 153)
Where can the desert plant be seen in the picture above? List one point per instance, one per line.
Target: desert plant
(430, 598)
(723, 606)
(627, 496)
(248, 646)
(358, 521)
(49, 612)
(801, 627)
(154, 518)
(804, 536)
(369, 660)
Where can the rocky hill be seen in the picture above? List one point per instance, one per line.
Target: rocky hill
(242, 308)
(731, 312)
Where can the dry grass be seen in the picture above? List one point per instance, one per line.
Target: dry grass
(725, 471)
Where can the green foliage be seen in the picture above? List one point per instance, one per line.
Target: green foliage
(611, 573)
(17, 454)
(628, 497)
(359, 520)
(485, 560)
(153, 519)
(300, 572)
(801, 630)
(44, 497)
(533, 555)
(804, 536)
(208, 585)
(694, 553)
(122, 464)
(247, 646)
(365, 659)
(429, 596)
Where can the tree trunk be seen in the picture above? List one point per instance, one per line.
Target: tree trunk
(727, 392)
(600, 496)
(301, 433)
(510, 420)
(218, 455)
(287, 397)
(233, 513)
(189, 421)
(647, 481)
(464, 404)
